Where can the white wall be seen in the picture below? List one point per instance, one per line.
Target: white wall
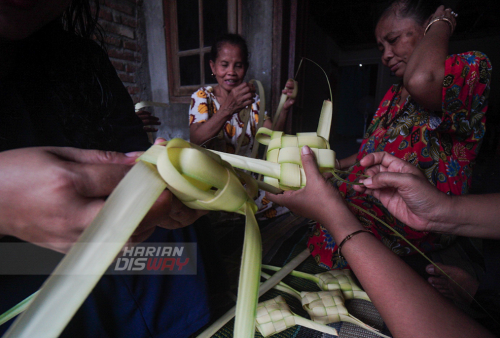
(175, 119)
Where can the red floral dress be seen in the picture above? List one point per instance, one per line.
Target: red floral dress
(442, 144)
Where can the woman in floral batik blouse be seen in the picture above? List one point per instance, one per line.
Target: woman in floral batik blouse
(217, 114)
(434, 118)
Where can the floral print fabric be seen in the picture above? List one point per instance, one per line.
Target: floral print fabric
(442, 144)
(204, 105)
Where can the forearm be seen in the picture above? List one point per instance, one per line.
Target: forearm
(202, 132)
(348, 161)
(424, 74)
(408, 304)
(474, 215)
(280, 123)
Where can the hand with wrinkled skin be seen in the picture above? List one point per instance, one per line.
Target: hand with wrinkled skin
(391, 284)
(168, 212)
(148, 120)
(230, 103)
(289, 87)
(240, 97)
(408, 195)
(280, 124)
(442, 12)
(315, 200)
(404, 191)
(50, 195)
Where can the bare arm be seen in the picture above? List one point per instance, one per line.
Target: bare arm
(280, 123)
(148, 120)
(347, 162)
(52, 205)
(236, 100)
(424, 73)
(400, 294)
(408, 304)
(202, 132)
(476, 215)
(409, 196)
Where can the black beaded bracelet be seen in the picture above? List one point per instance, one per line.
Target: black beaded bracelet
(348, 237)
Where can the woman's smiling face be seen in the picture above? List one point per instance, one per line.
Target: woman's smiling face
(229, 67)
(397, 37)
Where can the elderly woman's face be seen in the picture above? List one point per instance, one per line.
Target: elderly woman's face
(229, 68)
(397, 37)
(21, 18)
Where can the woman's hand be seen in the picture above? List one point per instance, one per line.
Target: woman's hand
(167, 212)
(316, 198)
(405, 192)
(279, 124)
(49, 195)
(148, 120)
(289, 88)
(445, 13)
(425, 70)
(240, 97)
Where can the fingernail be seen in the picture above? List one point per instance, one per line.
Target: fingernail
(367, 181)
(306, 150)
(133, 154)
(430, 269)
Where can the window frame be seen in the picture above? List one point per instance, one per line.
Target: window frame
(178, 93)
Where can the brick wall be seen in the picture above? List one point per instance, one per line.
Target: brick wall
(123, 25)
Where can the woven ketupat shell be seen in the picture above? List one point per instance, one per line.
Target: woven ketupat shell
(274, 316)
(210, 185)
(325, 306)
(341, 280)
(285, 150)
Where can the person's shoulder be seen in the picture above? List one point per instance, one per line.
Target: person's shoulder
(471, 58)
(202, 92)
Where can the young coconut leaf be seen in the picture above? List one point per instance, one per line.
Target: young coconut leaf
(332, 280)
(274, 316)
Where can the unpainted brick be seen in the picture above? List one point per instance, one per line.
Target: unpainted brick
(120, 66)
(130, 68)
(126, 77)
(104, 14)
(131, 45)
(133, 89)
(111, 40)
(117, 18)
(129, 22)
(121, 54)
(121, 6)
(118, 29)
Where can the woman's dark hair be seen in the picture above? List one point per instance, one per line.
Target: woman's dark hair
(233, 39)
(419, 10)
(66, 84)
(81, 18)
(78, 72)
